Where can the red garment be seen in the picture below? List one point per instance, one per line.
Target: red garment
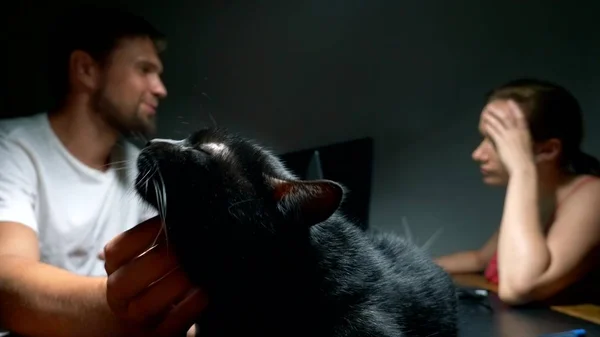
(491, 271)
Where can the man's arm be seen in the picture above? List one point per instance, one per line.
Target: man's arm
(144, 295)
(42, 300)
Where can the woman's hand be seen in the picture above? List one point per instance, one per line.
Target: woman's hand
(507, 126)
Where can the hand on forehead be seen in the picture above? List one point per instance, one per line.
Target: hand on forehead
(504, 109)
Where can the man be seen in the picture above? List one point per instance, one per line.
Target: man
(66, 181)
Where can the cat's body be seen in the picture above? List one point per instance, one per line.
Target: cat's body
(275, 256)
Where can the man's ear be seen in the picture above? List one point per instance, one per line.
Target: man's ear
(310, 202)
(84, 70)
(548, 150)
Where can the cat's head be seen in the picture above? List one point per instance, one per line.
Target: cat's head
(214, 187)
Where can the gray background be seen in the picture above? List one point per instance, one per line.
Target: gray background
(297, 74)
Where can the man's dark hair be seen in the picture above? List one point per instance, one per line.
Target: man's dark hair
(95, 30)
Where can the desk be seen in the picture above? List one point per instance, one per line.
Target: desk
(587, 312)
(503, 321)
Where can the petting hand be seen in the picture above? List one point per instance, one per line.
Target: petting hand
(145, 287)
(507, 126)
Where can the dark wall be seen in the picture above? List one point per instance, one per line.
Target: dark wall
(349, 163)
(299, 74)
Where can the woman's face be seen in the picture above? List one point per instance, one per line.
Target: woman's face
(492, 168)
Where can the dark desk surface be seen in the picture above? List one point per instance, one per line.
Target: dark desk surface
(588, 312)
(500, 320)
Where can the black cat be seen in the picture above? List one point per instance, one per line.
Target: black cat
(275, 256)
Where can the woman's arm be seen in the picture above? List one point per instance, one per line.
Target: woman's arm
(533, 266)
(470, 261)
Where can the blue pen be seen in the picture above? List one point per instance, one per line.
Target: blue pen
(572, 333)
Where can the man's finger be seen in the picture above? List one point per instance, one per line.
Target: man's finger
(192, 331)
(159, 298)
(133, 278)
(179, 320)
(131, 243)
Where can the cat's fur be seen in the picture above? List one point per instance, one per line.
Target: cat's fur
(275, 256)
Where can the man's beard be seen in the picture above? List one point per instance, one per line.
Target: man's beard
(127, 123)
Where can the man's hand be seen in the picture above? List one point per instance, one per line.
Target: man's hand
(145, 285)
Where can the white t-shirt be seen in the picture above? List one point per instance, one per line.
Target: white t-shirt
(74, 209)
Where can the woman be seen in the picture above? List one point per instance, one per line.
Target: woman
(549, 235)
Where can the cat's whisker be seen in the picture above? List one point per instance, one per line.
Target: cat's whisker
(118, 162)
(164, 193)
(141, 137)
(118, 169)
(161, 200)
(213, 120)
(407, 230)
(145, 180)
(148, 176)
(238, 203)
(158, 235)
(431, 239)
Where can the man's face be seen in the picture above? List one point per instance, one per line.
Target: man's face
(130, 87)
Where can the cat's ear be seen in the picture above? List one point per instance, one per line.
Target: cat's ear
(310, 202)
